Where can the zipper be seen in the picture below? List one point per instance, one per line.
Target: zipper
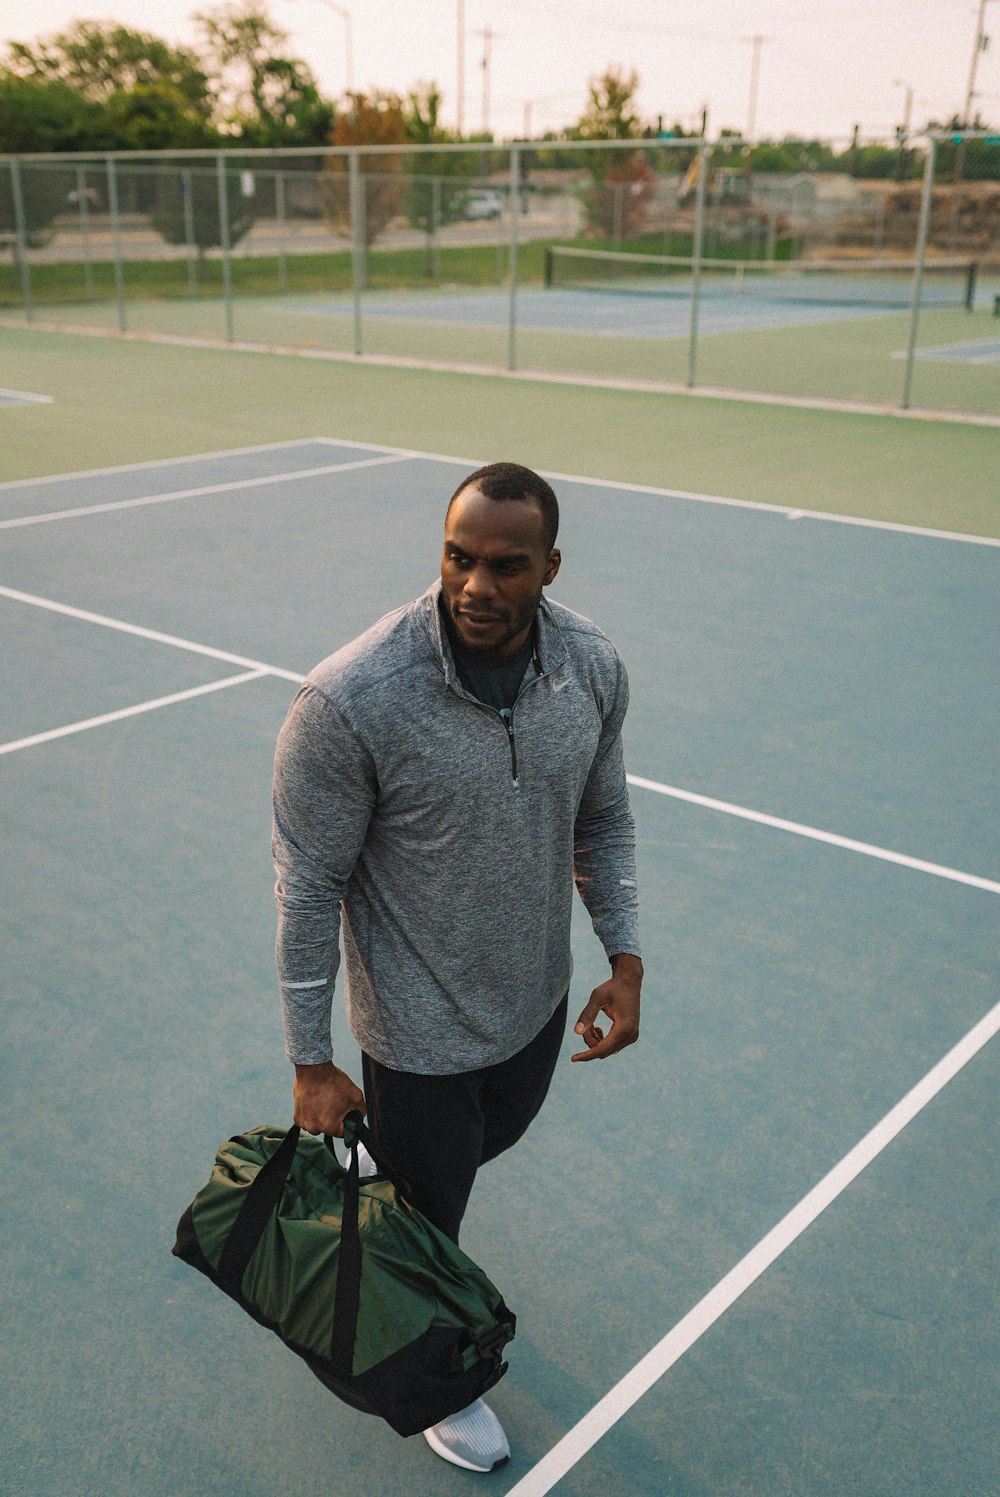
(506, 717)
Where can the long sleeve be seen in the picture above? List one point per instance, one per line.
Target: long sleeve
(324, 791)
(604, 866)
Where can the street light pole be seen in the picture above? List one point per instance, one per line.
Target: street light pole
(757, 42)
(345, 16)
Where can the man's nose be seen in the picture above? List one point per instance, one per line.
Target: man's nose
(480, 582)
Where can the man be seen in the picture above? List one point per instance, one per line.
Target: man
(442, 781)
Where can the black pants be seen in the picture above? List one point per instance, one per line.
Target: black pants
(438, 1130)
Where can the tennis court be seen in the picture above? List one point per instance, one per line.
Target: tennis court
(752, 1256)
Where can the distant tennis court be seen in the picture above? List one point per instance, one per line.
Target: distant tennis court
(615, 313)
(753, 1256)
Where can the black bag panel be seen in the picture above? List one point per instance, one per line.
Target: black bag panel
(417, 1386)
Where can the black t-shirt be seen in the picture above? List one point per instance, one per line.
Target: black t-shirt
(491, 679)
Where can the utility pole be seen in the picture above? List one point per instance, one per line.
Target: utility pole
(903, 132)
(981, 43)
(460, 71)
(489, 36)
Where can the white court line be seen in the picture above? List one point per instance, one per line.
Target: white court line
(150, 634)
(689, 496)
(123, 712)
(198, 493)
(686, 495)
(166, 462)
(817, 835)
(616, 1403)
(26, 396)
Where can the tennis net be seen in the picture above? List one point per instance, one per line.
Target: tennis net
(837, 283)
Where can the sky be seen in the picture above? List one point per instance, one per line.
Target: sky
(822, 67)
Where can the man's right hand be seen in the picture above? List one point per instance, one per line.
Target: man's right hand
(323, 1096)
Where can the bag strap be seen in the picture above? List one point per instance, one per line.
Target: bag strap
(259, 1205)
(347, 1299)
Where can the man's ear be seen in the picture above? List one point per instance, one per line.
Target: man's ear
(551, 567)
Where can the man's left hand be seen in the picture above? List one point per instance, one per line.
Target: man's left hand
(619, 999)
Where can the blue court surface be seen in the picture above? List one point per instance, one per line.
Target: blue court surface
(753, 1256)
(976, 351)
(611, 313)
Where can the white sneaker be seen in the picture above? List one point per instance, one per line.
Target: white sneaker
(473, 1439)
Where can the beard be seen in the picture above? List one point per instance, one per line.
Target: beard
(506, 627)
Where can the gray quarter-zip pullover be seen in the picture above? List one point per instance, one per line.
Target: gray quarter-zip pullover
(448, 839)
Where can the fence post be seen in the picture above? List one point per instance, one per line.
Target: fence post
(435, 255)
(187, 193)
(279, 211)
(357, 244)
(116, 238)
(83, 203)
(918, 270)
(227, 269)
(515, 213)
(21, 241)
(699, 237)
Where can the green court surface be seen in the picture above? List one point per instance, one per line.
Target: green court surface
(118, 401)
(844, 354)
(754, 1255)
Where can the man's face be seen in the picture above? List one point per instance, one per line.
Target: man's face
(493, 568)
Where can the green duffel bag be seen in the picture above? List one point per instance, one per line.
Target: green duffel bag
(387, 1312)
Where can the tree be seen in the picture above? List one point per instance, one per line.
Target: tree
(621, 183)
(43, 195)
(610, 112)
(38, 116)
(187, 205)
(297, 114)
(270, 99)
(438, 191)
(366, 120)
(155, 117)
(98, 59)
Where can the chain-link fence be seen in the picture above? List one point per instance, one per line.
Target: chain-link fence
(673, 262)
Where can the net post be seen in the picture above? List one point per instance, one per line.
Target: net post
(918, 272)
(227, 269)
(515, 209)
(699, 236)
(116, 237)
(549, 258)
(970, 285)
(357, 243)
(21, 239)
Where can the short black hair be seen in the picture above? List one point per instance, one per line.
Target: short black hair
(512, 481)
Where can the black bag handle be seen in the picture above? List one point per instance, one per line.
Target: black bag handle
(262, 1201)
